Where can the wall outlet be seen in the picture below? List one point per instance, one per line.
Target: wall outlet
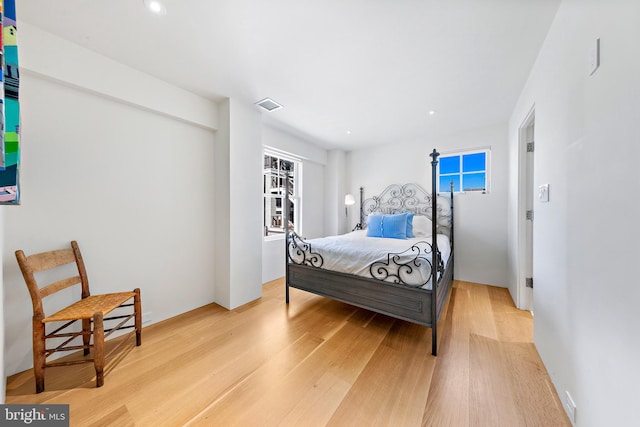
(146, 317)
(570, 407)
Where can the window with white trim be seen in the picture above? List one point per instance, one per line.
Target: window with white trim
(468, 170)
(276, 169)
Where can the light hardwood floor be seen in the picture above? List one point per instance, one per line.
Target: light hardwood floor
(317, 362)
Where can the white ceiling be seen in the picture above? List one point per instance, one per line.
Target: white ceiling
(372, 67)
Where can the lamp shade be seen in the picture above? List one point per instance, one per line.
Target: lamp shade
(349, 200)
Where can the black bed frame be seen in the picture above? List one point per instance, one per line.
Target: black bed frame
(397, 300)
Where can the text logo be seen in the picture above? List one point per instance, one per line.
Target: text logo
(34, 415)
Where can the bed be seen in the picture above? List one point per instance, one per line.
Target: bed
(405, 278)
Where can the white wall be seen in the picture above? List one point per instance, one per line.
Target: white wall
(134, 186)
(314, 159)
(480, 232)
(335, 221)
(586, 239)
(313, 181)
(222, 207)
(238, 171)
(57, 59)
(246, 163)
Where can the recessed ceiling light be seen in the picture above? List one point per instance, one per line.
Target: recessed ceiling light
(268, 104)
(348, 132)
(432, 112)
(155, 6)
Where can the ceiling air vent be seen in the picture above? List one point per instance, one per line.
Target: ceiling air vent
(268, 104)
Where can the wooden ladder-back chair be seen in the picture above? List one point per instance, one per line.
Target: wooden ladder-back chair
(89, 309)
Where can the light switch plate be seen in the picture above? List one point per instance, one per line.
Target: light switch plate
(543, 193)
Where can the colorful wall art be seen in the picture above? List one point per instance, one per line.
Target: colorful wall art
(10, 117)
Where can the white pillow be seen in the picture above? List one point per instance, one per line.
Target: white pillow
(421, 226)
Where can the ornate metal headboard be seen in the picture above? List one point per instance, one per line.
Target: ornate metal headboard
(398, 198)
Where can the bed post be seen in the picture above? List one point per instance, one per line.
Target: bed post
(453, 259)
(285, 222)
(435, 258)
(360, 224)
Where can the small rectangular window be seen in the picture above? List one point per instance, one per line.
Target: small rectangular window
(467, 170)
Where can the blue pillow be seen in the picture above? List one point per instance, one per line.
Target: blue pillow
(394, 226)
(410, 224)
(374, 225)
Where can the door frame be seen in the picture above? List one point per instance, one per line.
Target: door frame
(524, 294)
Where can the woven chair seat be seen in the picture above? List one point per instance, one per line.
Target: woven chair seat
(85, 308)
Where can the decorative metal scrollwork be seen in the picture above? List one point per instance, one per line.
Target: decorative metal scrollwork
(405, 273)
(410, 197)
(399, 198)
(441, 265)
(300, 252)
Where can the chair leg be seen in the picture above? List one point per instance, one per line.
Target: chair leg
(86, 335)
(39, 358)
(98, 348)
(137, 305)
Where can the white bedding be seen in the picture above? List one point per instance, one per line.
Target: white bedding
(354, 252)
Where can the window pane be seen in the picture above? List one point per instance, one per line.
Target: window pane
(272, 215)
(474, 181)
(445, 183)
(473, 162)
(275, 171)
(270, 184)
(270, 174)
(450, 164)
(292, 184)
(286, 167)
(292, 215)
